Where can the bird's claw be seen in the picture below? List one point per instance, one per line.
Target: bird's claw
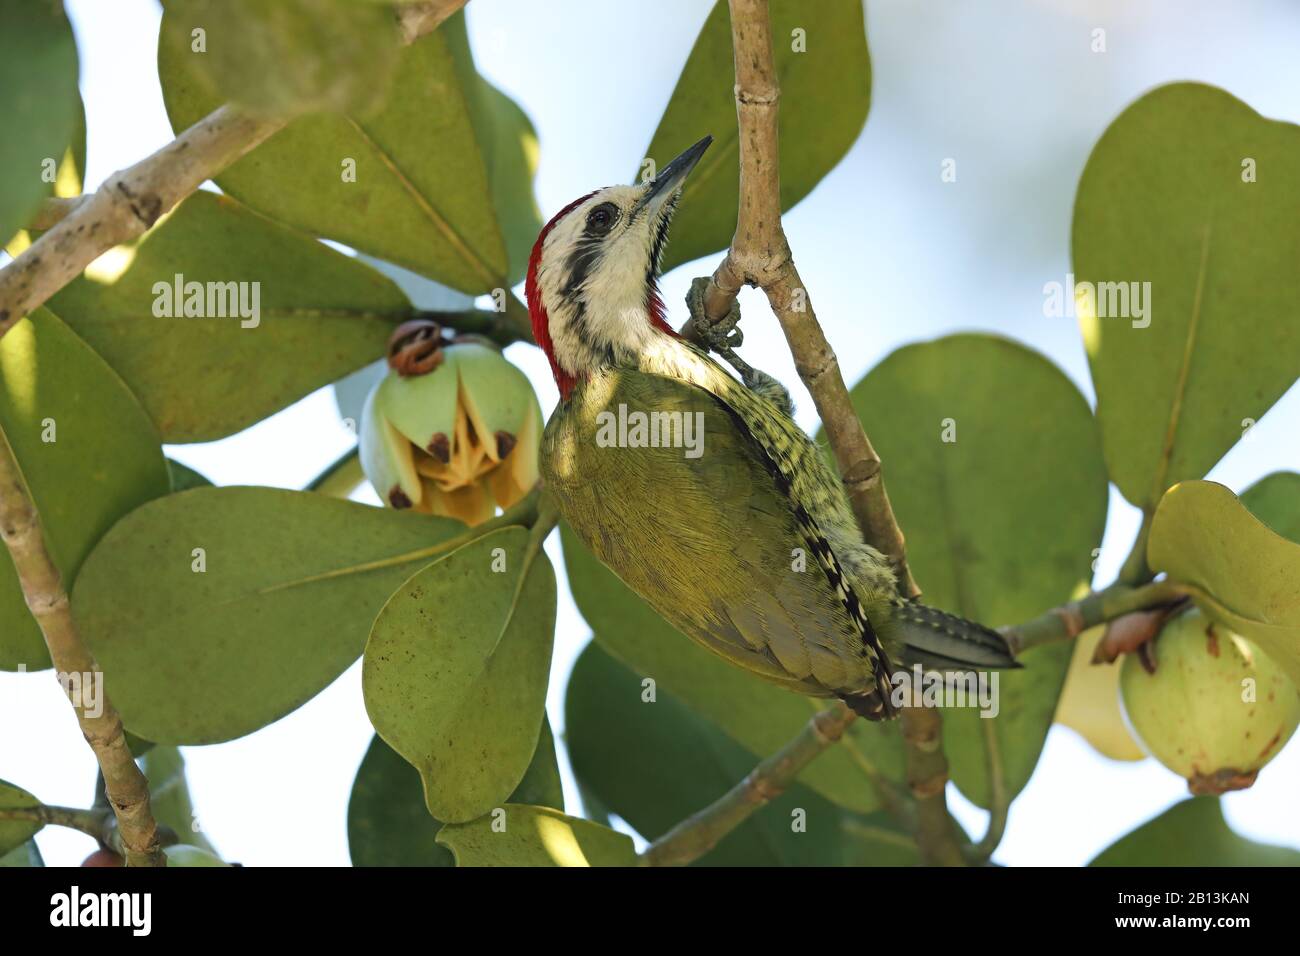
(721, 336)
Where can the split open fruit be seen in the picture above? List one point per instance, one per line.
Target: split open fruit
(457, 439)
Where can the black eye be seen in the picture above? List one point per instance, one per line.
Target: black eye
(601, 219)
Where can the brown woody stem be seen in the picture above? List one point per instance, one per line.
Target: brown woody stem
(700, 833)
(42, 586)
(133, 199)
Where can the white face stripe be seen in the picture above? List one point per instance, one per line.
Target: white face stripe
(605, 318)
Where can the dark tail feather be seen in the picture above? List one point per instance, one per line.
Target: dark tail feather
(941, 641)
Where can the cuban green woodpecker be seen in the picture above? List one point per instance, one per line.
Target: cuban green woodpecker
(700, 492)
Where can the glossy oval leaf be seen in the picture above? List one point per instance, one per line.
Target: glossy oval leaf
(88, 453)
(1188, 199)
(216, 611)
(510, 152)
(536, 836)
(995, 472)
(825, 74)
(184, 477)
(1192, 833)
(656, 762)
(290, 56)
(1243, 574)
(14, 833)
(1275, 500)
(219, 317)
(39, 106)
(407, 182)
(455, 671)
(26, 855)
(758, 716)
(388, 823)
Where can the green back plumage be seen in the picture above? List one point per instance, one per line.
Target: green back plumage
(714, 542)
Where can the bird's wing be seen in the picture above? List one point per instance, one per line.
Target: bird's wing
(712, 542)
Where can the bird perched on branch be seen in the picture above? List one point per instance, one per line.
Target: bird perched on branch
(699, 491)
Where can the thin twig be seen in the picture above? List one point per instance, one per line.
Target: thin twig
(772, 776)
(1134, 570)
(125, 206)
(1070, 620)
(700, 833)
(42, 586)
(760, 255)
(999, 796)
(98, 822)
(131, 200)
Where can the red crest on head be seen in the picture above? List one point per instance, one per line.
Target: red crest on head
(537, 311)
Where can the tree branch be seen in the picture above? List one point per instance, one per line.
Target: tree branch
(1068, 621)
(760, 255)
(133, 199)
(700, 833)
(124, 208)
(98, 822)
(127, 788)
(999, 797)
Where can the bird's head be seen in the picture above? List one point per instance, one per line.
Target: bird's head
(592, 278)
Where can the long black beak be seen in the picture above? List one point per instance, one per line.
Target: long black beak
(672, 176)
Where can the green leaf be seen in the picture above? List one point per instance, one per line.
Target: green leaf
(23, 856)
(510, 152)
(1192, 833)
(760, 717)
(169, 795)
(290, 56)
(14, 833)
(39, 106)
(1163, 200)
(421, 196)
(1243, 574)
(825, 93)
(292, 582)
(137, 745)
(88, 453)
(1001, 521)
(319, 315)
(1275, 500)
(455, 671)
(655, 763)
(536, 836)
(184, 477)
(388, 823)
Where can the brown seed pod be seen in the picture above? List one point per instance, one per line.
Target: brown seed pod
(415, 347)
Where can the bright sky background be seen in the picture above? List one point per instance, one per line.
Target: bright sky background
(891, 255)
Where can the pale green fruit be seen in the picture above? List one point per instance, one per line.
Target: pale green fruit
(1217, 708)
(457, 441)
(183, 854)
